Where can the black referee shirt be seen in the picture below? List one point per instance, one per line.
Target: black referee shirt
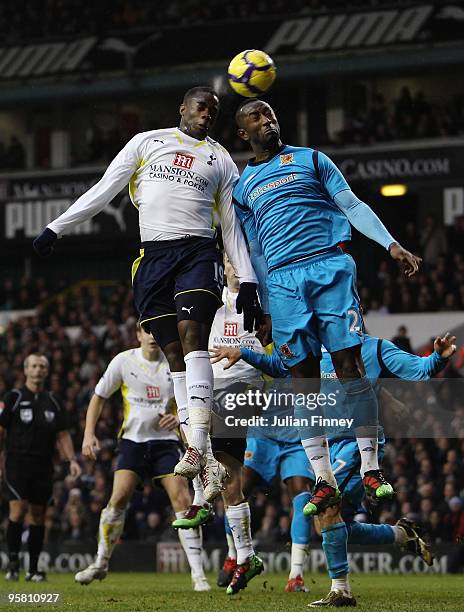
(32, 421)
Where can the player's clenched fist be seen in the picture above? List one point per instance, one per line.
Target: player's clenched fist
(409, 263)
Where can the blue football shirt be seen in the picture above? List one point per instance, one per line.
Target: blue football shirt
(287, 204)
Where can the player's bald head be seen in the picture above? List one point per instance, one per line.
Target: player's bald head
(247, 107)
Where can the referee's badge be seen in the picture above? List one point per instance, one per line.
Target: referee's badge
(49, 415)
(25, 415)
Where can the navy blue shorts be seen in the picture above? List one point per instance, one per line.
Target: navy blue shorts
(154, 459)
(178, 278)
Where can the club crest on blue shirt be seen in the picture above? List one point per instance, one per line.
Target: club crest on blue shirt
(286, 158)
(49, 415)
(25, 415)
(286, 351)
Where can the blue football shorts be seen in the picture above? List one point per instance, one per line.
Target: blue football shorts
(270, 457)
(314, 302)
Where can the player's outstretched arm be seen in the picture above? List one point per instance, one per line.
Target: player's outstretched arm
(364, 219)
(236, 250)
(218, 353)
(257, 258)
(412, 367)
(116, 177)
(272, 364)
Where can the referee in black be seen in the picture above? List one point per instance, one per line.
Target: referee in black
(35, 426)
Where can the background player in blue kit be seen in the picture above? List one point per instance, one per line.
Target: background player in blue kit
(382, 359)
(296, 207)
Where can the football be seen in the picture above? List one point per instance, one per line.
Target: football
(251, 73)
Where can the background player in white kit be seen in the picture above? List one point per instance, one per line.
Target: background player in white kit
(227, 330)
(177, 178)
(148, 446)
(268, 451)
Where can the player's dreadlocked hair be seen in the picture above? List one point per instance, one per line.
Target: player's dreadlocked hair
(199, 89)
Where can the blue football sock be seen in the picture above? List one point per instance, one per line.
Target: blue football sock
(365, 533)
(360, 402)
(300, 530)
(334, 540)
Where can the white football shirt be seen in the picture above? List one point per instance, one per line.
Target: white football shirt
(147, 391)
(179, 185)
(227, 330)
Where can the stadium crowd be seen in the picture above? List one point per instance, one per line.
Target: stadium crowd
(411, 116)
(81, 331)
(84, 17)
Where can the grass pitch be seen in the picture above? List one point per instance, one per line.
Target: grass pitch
(141, 592)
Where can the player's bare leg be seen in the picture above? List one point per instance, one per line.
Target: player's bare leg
(111, 526)
(191, 539)
(361, 403)
(334, 538)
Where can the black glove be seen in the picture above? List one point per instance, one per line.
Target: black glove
(43, 244)
(248, 303)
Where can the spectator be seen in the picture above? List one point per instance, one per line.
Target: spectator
(401, 340)
(433, 241)
(454, 519)
(153, 528)
(15, 156)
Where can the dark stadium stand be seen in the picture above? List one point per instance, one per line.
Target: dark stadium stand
(375, 84)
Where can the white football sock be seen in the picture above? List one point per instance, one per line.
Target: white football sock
(368, 450)
(317, 451)
(199, 380)
(109, 531)
(232, 552)
(240, 525)
(199, 494)
(341, 584)
(298, 558)
(192, 543)
(400, 535)
(180, 395)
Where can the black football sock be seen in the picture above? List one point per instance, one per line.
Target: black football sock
(13, 540)
(35, 543)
